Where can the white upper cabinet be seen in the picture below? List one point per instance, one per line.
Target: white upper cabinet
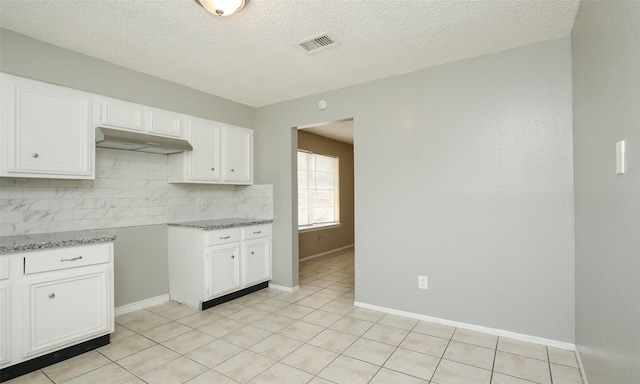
(165, 123)
(202, 165)
(114, 113)
(45, 130)
(222, 154)
(119, 114)
(237, 152)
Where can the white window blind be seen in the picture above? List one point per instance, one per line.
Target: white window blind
(318, 190)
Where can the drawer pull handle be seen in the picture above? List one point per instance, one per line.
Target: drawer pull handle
(71, 259)
(225, 237)
(255, 233)
(52, 295)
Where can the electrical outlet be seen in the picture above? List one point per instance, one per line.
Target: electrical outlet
(423, 282)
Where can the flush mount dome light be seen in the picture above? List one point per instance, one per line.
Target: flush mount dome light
(222, 7)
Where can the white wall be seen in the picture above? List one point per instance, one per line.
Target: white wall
(606, 72)
(463, 173)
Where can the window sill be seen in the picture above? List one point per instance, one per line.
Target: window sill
(318, 227)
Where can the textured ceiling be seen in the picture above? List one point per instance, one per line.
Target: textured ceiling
(337, 130)
(252, 57)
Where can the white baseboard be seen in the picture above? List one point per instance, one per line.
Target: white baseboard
(150, 302)
(283, 288)
(582, 372)
(326, 253)
(472, 327)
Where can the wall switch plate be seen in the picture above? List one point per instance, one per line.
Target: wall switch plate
(423, 282)
(620, 157)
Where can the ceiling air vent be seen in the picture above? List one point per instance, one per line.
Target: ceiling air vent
(317, 43)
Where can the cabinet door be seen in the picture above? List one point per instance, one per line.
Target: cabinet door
(257, 261)
(222, 270)
(5, 323)
(64, 309)
(204, 160)
(46, 130)
(164, 123)
(120, 114)
(238, 155)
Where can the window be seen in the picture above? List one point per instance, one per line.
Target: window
(318, 191)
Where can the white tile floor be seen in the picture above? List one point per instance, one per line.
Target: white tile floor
(311, 336)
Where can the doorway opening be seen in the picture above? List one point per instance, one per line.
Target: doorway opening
(325, 192)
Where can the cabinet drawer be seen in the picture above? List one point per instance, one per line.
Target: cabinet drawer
(4, 268)
(222, 236)
(256, 231)
(66, 257)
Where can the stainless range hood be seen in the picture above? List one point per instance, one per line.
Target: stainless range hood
(139, 142)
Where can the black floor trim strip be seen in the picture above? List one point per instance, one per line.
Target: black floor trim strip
(40, 362)
(233, 295)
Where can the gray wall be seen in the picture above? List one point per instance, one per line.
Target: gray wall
(141, 267)
(463, 173)
(23, 56)
(606, 71)
(140, 252)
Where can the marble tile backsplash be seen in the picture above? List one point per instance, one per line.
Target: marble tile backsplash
(130, 189)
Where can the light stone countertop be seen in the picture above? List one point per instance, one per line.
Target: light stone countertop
(9, 244)
(210, 225)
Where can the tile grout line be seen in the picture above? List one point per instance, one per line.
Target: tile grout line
(549, 364)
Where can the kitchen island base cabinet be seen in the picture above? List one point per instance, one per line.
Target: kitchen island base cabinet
(208, 267)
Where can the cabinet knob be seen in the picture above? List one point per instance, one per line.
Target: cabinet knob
(52, 295)
(233, 256)
(252, 252)
(34, 155)
(233, 170)
(213, 169)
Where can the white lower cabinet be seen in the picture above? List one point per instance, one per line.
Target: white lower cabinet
(63, 308)
(205, 265)
(5, 313)
(222, 270)
(53, 299)
(258, 260)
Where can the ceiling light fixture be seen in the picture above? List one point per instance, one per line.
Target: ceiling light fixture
(222, 7)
